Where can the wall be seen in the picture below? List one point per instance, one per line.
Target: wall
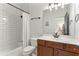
(36, 25)
(72, 20)
(76, 23)
(36, 10)
(73, 9)
(10, 28)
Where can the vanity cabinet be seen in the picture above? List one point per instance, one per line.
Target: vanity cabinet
(51, 48)
(42, 50)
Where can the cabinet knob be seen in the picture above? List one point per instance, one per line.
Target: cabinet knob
(74, 48)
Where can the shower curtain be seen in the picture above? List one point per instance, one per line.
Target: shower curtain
(26, 29)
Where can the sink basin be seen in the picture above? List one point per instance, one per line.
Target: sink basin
(66, 38)
(46, 37)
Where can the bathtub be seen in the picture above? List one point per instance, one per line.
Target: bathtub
(16, 52)
(19, 50)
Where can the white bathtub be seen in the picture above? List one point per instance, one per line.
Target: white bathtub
(16, 52)
(19, 51)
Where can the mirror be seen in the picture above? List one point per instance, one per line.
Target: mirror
(57, 21)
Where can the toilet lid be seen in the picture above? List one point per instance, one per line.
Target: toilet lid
(28, 48)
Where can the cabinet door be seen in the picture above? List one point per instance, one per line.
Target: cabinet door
(75, 54)
(49, 51)
(55, 52)
(72, 48)
(44, 51)
(65, 53)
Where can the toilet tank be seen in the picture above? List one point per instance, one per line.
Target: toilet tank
(34, 41)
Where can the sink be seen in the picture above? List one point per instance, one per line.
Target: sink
(66, 38)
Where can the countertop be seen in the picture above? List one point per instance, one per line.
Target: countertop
(61, 39)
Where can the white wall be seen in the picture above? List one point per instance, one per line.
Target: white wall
(73, 9)
(76, 23)
(10, 28)
(72, 20)
(36, 25)
(36, 10)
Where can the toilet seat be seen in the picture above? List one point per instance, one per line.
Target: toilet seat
(29, 48)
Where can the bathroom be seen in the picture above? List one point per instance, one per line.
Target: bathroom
(18, 36)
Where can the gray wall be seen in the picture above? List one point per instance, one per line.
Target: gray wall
(10, 28)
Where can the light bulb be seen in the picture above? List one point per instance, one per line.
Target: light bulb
(52, 5)
(56, 7)
(50, 8)
(62, 5)
(59, 4)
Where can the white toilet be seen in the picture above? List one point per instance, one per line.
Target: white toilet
(30, 49)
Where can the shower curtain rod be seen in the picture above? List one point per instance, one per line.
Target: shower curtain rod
(17, 8)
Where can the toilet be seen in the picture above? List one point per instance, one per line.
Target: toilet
(30, 49)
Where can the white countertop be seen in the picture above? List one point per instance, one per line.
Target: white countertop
(61, 39)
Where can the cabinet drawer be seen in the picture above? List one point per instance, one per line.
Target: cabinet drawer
(54, 44)
(65, 53)
(72, 48)
(41, 42)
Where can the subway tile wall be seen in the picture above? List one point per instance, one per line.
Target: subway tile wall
(10, 28)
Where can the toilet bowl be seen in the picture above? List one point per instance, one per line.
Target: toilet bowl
(29, 49)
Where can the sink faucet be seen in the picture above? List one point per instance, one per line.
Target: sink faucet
(56, 35)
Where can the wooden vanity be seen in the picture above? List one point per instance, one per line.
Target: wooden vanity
(52, 48)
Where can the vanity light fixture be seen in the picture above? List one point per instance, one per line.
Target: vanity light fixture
(62, 5)
(55, 5)
(52, 5)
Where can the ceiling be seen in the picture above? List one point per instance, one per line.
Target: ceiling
(29, 7)
(35, 9)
